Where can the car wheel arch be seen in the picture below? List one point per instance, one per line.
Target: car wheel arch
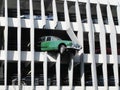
(59, 47)
(61, 44)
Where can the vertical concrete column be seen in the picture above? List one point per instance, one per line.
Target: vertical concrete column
(58, 72)
(19, 44)
(70, 73)
(80, 38)
(102, 44)
(73, 38)
(66, 14)
(43, 13)
(82, 73)
(55, 17)
(6, 43)
(79, 24)
(92, 46)
(45, 71)
(118, 15)
(32, 31)
(113, 41)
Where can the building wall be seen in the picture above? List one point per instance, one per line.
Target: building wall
(92, 24)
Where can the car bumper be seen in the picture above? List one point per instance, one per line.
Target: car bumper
(74, 47)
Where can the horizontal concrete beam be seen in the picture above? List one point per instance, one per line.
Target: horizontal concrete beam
(39, 56)
(25, 23)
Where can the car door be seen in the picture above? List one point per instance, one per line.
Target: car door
(45, 43)
(49, 44)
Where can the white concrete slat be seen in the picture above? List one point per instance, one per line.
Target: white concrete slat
(19, 44)
(79, 23)
(66, 14)
(51, 58)
(70, 73)
(61, 25)
(58, 72)
(6, 43)
(72, 37)
(82, 66)
(55, 17)
(32, 31)
(102, 44)
(69, 28)
(45, 71)
(113, 43)
(80, 38)
(92, 46)
(43, 13)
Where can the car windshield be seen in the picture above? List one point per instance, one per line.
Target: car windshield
(53, 38)
(42, 39)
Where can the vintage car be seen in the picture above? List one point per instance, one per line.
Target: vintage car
(53, 43)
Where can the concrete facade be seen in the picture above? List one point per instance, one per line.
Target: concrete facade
(93, 24)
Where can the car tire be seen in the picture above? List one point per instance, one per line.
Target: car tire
(62, 48)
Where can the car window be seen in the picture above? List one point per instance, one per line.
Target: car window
(48, 39)
(55, 38)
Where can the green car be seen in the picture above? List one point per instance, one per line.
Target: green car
(52, 43)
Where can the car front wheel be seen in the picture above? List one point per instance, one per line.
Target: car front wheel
(62, 48)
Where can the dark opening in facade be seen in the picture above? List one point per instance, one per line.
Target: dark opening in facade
(12, 76)
(52, 81)
(60, 10)
(114, 14)
(1, 72)
(26, 73)
(77, 75)
(118, 44)
(39, 75)
(108, 44)
(100, 79)
(25, 39)
(12, 38)
(64, 75)
(88, 75)
(104, 13)
(86, 42)
(82, 7)
(2, 38)
(94, 14)
(71, 8)
(111, 79)
(97, 43)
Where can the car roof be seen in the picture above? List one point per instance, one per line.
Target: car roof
(51, 36)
